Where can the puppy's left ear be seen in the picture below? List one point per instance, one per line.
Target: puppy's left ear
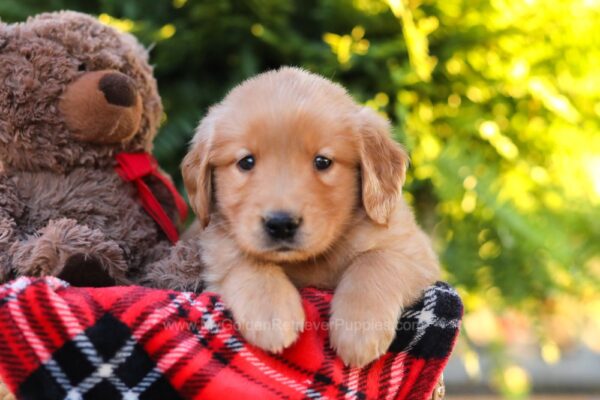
(383, 166)
(197, 172)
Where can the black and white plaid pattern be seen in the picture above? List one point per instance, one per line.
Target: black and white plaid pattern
(103, 362)
(437, 314)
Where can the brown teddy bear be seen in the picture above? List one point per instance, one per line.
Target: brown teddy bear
(80, 196)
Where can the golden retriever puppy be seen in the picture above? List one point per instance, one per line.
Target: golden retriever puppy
(295, 185)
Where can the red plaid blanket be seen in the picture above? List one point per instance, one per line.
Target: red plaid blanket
(131, 343)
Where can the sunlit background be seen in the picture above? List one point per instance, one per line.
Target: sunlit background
(499, 104)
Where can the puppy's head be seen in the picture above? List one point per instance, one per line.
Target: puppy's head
(287, 159)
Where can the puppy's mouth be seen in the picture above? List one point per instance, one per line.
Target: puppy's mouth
(280, 252)
(281, 246)
(283, 249)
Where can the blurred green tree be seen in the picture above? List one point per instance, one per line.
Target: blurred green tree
(498, 103)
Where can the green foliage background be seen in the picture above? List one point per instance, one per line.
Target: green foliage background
(498, 102)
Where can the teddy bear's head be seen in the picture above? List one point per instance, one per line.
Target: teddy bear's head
(73, 92)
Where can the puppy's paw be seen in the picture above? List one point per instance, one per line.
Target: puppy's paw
(359, 335)
(270, 317)
(272, 324)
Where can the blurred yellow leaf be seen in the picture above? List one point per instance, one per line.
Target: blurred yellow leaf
(471, 363)
(167, 31)
(124, 25)
(416, 39)
(550, 352)
(482, 326)
(516, 381)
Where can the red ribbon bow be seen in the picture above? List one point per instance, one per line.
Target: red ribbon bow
(132, 167)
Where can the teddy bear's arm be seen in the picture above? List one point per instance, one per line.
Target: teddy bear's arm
(11, 208)
(63, 247)
(180, 269)
(71, 251)
(7, 237)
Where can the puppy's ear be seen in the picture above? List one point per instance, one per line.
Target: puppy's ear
(383, 166)
(197, 172)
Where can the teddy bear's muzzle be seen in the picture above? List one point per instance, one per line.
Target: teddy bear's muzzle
(102, 107)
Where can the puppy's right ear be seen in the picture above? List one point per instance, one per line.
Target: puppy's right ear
(383, 166)
(197, 172)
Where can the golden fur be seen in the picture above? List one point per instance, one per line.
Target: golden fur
(357, 234)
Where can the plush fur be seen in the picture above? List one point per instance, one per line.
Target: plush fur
(73, 93)
(357, 234)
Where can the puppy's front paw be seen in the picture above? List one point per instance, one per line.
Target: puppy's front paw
(269, 318)
(359, 335)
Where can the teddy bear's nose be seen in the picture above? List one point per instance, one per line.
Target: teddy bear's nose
(118, 89)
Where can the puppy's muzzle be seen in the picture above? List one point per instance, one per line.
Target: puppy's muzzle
(281, 225)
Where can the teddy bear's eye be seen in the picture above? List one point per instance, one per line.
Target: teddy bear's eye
(82, 67)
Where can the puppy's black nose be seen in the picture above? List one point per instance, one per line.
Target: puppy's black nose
(281, 225)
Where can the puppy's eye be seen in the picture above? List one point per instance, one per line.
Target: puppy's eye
(322, 163)
(246, 163)
(82, 67)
